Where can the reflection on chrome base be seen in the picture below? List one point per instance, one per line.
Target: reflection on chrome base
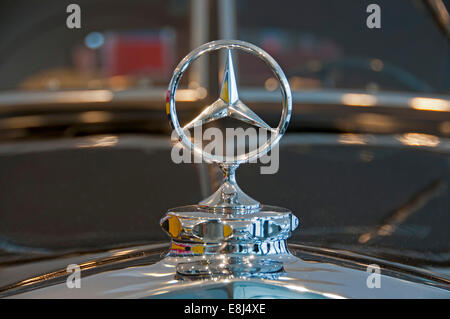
(231, 267)
(233, 244)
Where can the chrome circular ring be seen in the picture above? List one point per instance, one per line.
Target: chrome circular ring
(249, 48)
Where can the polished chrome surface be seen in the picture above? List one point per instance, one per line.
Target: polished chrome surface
(315, 273)
(218, 243)
(192, 223)
(229, 197)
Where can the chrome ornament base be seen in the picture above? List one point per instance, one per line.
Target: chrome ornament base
(230, 267)
(227, 243)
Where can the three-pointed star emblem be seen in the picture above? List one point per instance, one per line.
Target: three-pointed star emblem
(228, 104)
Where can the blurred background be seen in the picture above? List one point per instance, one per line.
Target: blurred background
(84, 140)
(321, 45)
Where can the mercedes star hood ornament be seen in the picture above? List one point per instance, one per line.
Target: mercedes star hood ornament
(229, 233)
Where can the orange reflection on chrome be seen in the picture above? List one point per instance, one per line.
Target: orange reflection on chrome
(95, 117)
(22, 122)
(375, 122)
(350, 138)
(100, 141)
(90, 96)
(364, 238)
(123, 252)
(357, 99)
(419, 139)
(430, 104)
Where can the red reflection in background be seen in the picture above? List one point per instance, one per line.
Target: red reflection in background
(149, 53)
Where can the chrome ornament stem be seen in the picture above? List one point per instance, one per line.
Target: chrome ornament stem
(229, 198)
